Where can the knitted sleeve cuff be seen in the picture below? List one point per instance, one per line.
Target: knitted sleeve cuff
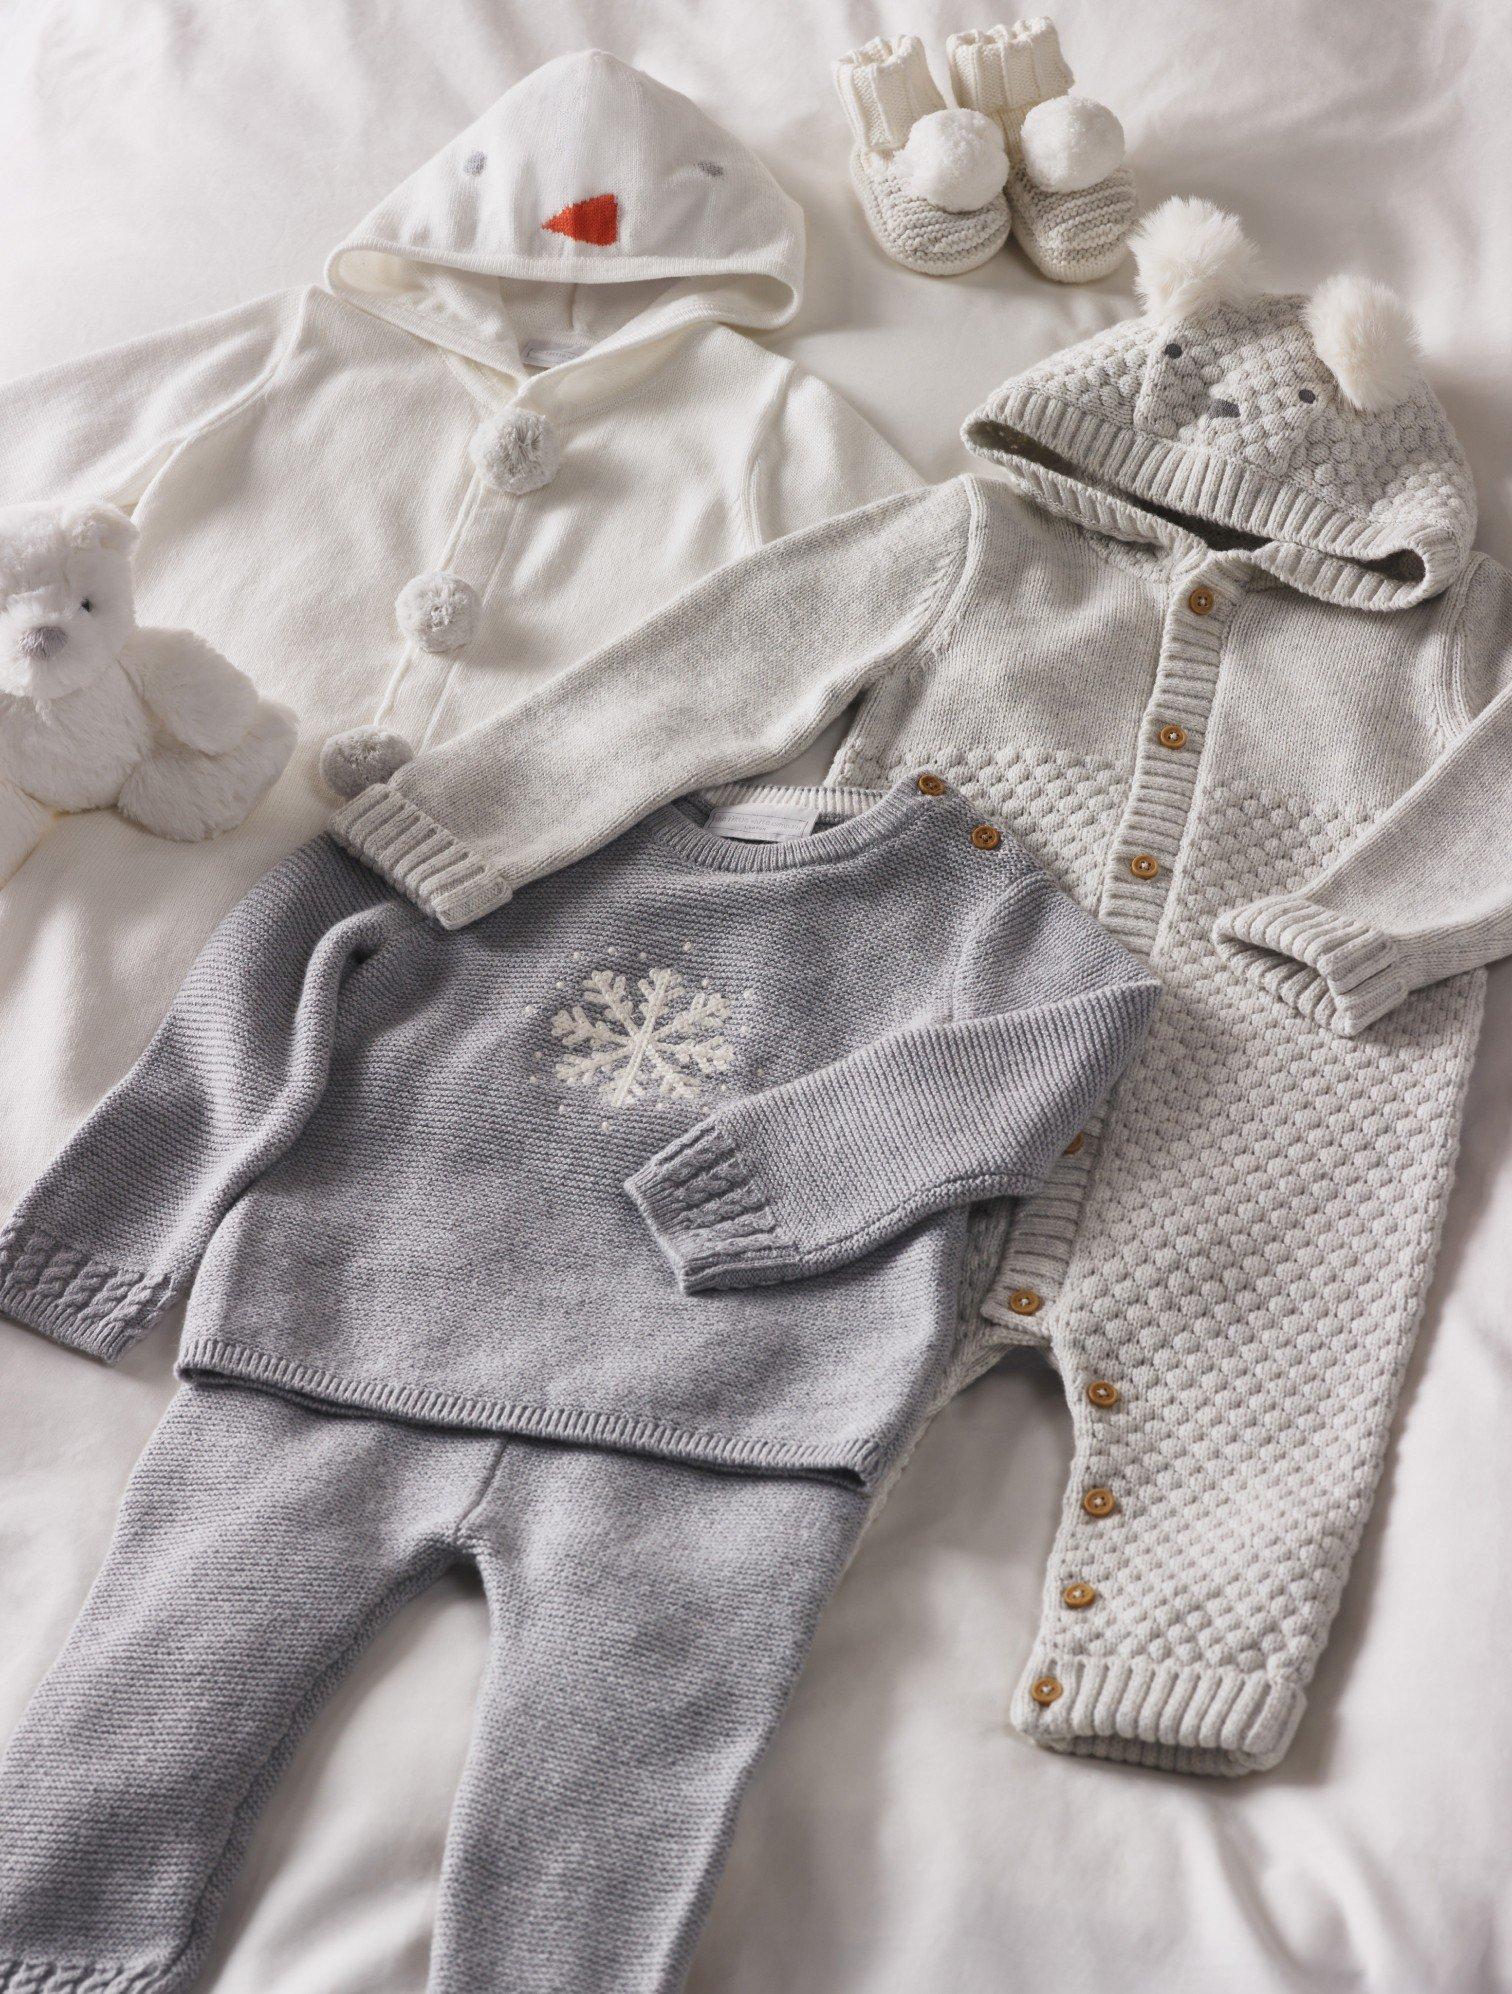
(1210, 1721)
(68, 1295)
(709, 1216)
(421, 857)
(1340, 973)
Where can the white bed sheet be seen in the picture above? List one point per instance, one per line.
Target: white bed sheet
(165, 159)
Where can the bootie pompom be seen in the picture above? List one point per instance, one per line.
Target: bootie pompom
(955, 160)
(1070, 143)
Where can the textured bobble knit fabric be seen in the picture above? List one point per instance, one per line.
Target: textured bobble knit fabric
(807, 1059)
(1216, 649)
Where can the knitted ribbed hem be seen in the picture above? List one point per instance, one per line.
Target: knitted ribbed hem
(1322, 550)
(708, 1216)
(1338, 972)
(1221, 1722)
(66, 1293)
(52, 1976)
(421, 857)
(1005, 71)
(205, 1358)
(885, 87)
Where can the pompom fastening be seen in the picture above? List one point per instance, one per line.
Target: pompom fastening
(516, 451)
(438, 611)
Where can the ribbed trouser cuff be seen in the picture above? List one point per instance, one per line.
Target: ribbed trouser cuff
(412, 851)
(885, 88)
(1209, 1721)
(1338, 972)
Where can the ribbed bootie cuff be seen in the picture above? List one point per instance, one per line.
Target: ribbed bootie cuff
(1007, 71)
(885, 88)
(1218, 1721)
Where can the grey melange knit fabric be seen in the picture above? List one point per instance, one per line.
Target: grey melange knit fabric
(1218, 652)
(670, 1159)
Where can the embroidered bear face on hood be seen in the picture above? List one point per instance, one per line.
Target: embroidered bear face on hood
(589, 211)
(1300, 426)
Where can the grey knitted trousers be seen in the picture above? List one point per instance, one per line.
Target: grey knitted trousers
(648, 1619)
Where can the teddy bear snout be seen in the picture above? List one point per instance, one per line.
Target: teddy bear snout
(41, 640)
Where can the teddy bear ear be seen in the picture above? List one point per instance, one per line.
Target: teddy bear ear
(96, 524)
(1190, 256)
(1366, 339)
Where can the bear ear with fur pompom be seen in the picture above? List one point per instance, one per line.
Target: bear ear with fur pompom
(1190, 256)
(96, 524)
(1365, 337)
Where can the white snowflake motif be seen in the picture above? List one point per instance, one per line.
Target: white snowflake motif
(662, 1039)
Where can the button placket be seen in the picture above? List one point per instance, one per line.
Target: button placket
(1133, 897)
(1139, 875)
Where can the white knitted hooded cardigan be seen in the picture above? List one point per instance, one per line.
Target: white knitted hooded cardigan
(1216, 649)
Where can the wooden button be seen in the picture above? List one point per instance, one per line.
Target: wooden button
(1143, 866)
(1173, 737)
(1079, 1595)
(1077, 1142)
(1102, 1393)
(986, 837)
(1046, 1689)
(1200, 601)
(1099, 1502)
(1024, 1301)
(931, 785)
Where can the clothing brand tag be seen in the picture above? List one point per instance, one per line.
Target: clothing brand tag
(761, 823)
(552, 352)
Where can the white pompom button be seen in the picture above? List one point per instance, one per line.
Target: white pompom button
(517, 451)
(439, 611)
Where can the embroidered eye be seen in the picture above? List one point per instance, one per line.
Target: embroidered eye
(1173, 351)
(475, 162)
(1221, 407)
(86, 605)
(1306, 395)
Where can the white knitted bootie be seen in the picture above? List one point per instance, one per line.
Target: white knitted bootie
(1069, 189)
(930, 180)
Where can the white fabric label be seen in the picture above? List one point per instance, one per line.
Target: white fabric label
(552, 352)
(761, 823)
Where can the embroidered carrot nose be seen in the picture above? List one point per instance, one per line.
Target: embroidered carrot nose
(594, 220)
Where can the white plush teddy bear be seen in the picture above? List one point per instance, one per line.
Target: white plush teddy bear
(94, 711)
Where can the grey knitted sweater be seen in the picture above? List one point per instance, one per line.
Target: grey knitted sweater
(671, 1154)
(1216, 648)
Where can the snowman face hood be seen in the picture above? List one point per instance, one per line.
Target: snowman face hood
(589, 211)
(1300, 429)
